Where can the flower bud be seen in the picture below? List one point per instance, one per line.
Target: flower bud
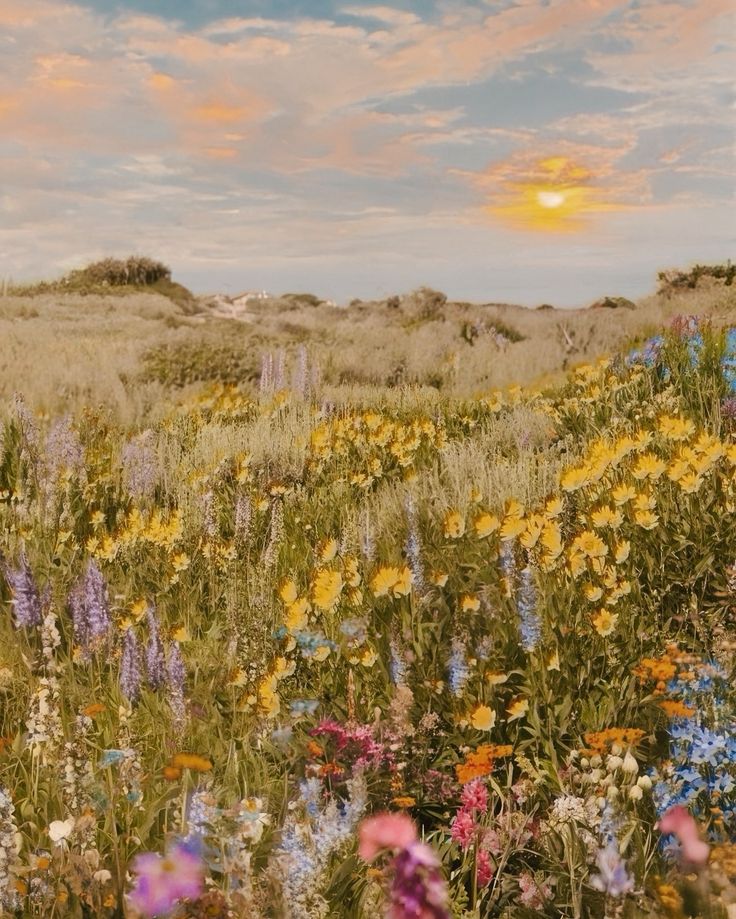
(644, 782)
(629, 764)
(635, 793)
(613, 763)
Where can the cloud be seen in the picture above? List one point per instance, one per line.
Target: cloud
(375, 122)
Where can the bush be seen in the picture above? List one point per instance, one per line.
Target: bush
(425, 303)
(135, 271)
(673, 279)
(194, 362)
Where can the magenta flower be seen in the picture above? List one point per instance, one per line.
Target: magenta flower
(484, 869)
(475, 796)
(462, 828)
(161, 881)
(681, 823)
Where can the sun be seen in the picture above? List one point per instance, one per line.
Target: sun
(550, 199)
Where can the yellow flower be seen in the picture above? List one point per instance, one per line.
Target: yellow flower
(439, 578)
(485, 524)
(288, 591)
(607, 517)
(470, 604)
(496, 677)
(690, 483)
(534, 525)
(551, 540)
(384, 580)
(321, 653)
(138, 609)
(554, 507)
(454, 525)
(623, 493)
(553, 661)
(369, 657)
(574, 478)
(605, 622)
(297, 615)
(645, 502)
(402, 587)
(327, 550)
(621, 551)
(97, 519)
(589, 545)
(593, 592)
(483, 718)
(512, 527)
(674, 428)
(181, 633)
(648, 466)
(647, 520)
(326, 589)
(518, 707)
(180, 562)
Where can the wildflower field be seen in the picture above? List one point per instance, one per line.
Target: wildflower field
(406, 655)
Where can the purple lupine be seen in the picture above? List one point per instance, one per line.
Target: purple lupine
(176, 672)
(279, 372)
(90, 609)
(26, 597)
(155, 661)
(413, 547)
(139, 465)
(243, 515)
(300, 380)
(64, 450)
(130, 670)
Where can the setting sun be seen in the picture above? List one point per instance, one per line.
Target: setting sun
(553, 195)
(550, 198)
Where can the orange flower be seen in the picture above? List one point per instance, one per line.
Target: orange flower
(96, 708)
(403, 801)
(675, 709)
(192, 761)
(171, 773)
(600, 741)
(481, 762)
(314, 749)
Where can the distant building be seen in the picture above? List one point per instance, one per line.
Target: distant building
(250, 295)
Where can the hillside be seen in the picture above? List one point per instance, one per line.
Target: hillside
(129, 348)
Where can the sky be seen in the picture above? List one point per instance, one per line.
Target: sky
(521, 151)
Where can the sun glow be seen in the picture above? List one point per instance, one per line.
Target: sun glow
(554, 195)
(550, 198)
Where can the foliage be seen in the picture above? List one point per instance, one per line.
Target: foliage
(239, 632)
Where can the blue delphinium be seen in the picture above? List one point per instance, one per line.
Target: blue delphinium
(458, 671)
(530, 627)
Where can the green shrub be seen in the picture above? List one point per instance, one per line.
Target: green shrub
(193, 362)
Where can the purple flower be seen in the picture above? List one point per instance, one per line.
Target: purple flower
(130, 671)
(139, 465)
(161, 881)
(613, 878)
(155, 662)
(90, 609)
(418, 890)
(64, 449)
(26, 597)
(176, 673)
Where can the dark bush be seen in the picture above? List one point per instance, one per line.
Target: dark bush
(193, 362)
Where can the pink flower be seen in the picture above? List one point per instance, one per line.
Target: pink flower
(681, 823)
(163, 880)
(475, 796)
(462, 828)
(385, 831)
(484, 868)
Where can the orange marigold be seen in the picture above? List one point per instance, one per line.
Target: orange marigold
(675, 709)
(601, 741)
(192, 761)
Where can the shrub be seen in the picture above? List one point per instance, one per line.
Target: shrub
(192, 362)
(672, 279)
(111, 272)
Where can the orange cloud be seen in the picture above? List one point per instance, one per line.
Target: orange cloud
(161, 81)
(221, 112)
(221, 153)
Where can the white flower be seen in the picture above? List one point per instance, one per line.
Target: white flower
(59, 830)
(102, 876)
(644, 782)
(629, 764)
(635, 793)
(613, 763)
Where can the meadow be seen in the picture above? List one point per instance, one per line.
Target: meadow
(285, 632)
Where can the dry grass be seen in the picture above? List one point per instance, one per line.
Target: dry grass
(66, 350)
